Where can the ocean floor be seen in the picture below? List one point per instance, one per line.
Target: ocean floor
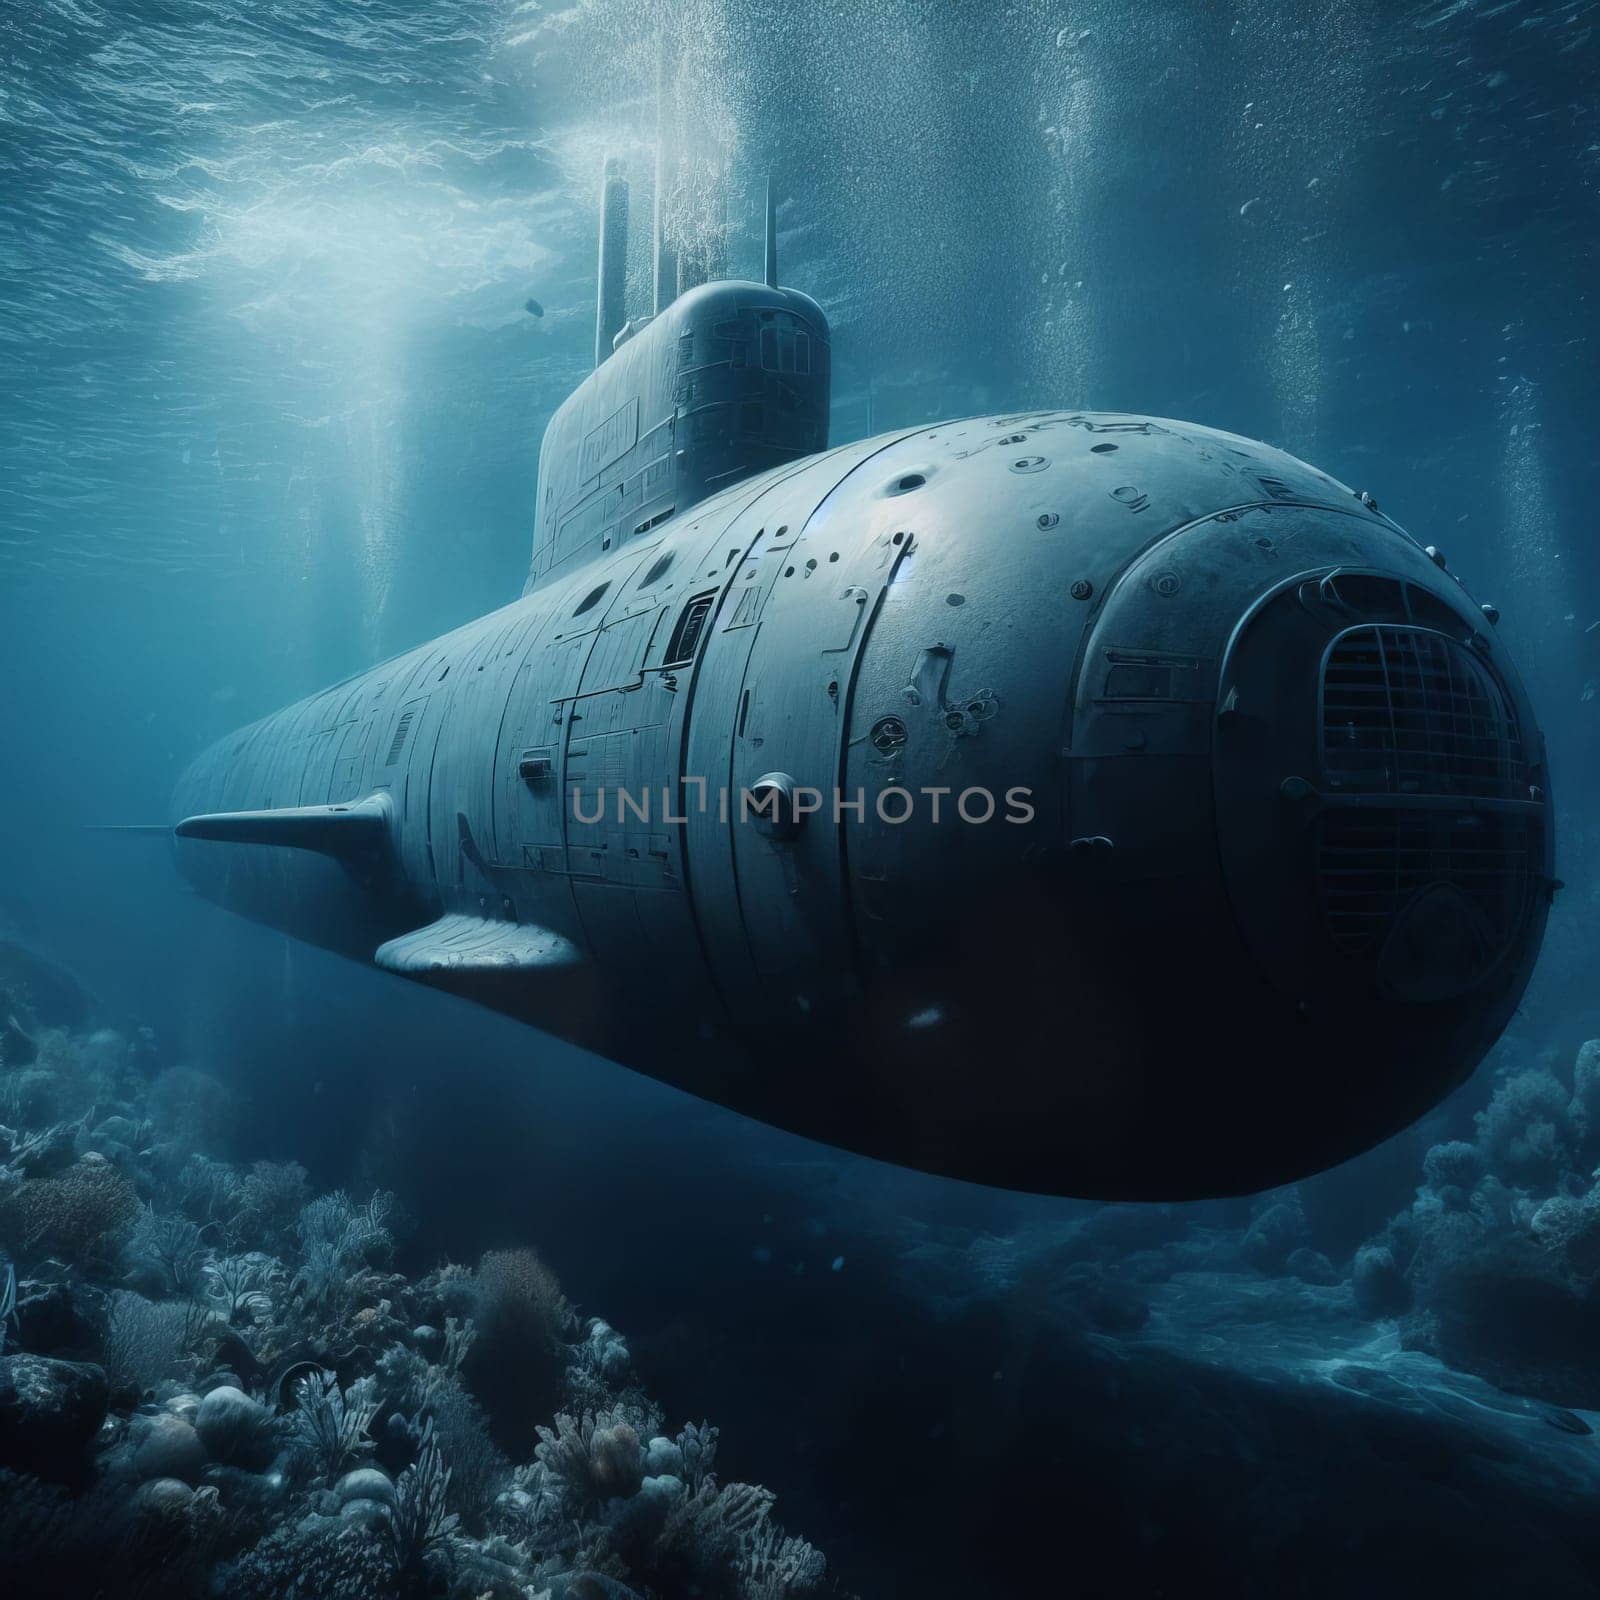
(216, 1380)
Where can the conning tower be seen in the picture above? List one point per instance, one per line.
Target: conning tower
(724, 380)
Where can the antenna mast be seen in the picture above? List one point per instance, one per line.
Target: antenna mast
(611, 297)
(771, 238)
(664, 259)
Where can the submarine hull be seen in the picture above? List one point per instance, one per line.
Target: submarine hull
(1081, 803)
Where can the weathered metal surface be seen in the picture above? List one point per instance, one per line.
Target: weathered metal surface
(728, 380)
(1135, 991)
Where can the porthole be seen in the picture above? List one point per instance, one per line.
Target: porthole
(658, 570)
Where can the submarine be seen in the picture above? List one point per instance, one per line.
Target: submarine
(1082, 803)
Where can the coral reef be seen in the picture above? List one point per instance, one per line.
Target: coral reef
(213, 1381)
(1495, 1266)
(216, 1380)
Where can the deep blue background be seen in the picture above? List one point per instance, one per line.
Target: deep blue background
(270, 407)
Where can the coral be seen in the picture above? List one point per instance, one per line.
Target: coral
(148, 1340)
(519, 1294)
(315, 1561)
(1456, 1165)
(458, 1340)
(479, 1468)
(1569, 1227)
(338, 1239)
(166, 1497)
(289, 1416)
(405, 1380)
(1498, 1304)
(591, 1458)
(44, 1152)
(706, 1533)
(603, 1355)
(1380, 1287)
(1278, 1229)
(1526, 1132)
(269, 1199)
(1495, 1268)
(55, 1318)
(496, 1569)
(175, 1540)
(420, 1522)
(1495, 1205)
(169, 1245)
(82, 1216)
(31, 1095)
(529, 1512)
(777, 1565)
(209, 1193)
(330, 1425)
(697, 1450)
(450, 1290)
(243, 1288)
(516, 1362)
(1585, 1105)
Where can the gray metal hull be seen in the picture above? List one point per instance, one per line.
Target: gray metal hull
(1149, 988)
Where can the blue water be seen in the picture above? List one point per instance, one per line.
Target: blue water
(270, 405)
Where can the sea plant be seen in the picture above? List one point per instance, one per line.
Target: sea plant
(185, 1263)
(171, 1246)
(146, 1341)
(338, 1238)
(330, 1424)
(420, 1522)
(707, 1532)
(698, 1446)
(591, 1458)
(242, 1288)
(777, 1565)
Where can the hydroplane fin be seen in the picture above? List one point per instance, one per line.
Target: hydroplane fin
(464, 944)
(349, 833)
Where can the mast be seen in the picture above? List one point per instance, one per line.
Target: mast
(611, 296)
(770, 238)
(664, 260)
